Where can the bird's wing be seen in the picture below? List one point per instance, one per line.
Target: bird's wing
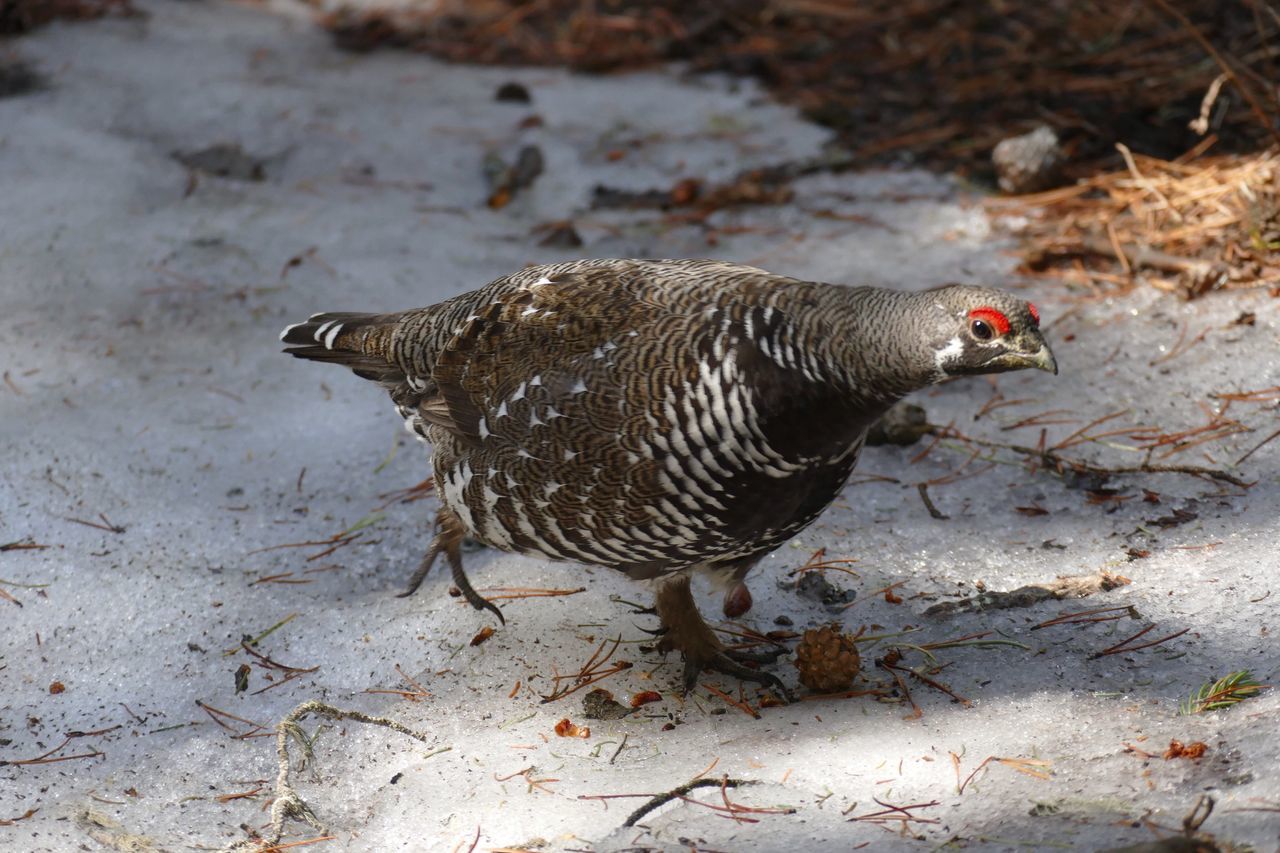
(553, 334)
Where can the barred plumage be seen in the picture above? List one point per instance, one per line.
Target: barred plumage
(659, 416)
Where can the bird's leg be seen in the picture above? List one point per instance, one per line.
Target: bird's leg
(449, 540)
(423, 568)
(688, 633)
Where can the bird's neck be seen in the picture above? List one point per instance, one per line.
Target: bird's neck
(876, 343)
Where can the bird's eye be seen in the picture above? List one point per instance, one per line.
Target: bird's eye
(987, 323)
(981, 330)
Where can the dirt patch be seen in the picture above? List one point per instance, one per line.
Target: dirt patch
(20, 16)
(1027, 596)
(924, 81)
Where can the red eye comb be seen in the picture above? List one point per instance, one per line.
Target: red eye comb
(1035, 314)
(992, 318)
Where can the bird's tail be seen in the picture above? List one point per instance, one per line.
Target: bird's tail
(362, 342)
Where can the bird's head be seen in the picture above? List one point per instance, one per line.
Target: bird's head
(981, 330)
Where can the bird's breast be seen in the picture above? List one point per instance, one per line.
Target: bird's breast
(628, 459)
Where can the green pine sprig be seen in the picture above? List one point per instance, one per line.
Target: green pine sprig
(1223, 693)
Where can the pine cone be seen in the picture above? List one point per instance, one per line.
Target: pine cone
(827, 659)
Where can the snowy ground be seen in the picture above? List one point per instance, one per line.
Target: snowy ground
(144, 390)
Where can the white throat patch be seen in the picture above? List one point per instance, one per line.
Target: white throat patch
(947, 354)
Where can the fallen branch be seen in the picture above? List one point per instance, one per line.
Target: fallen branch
(1059, 463)
(288, 804)
(679, 792)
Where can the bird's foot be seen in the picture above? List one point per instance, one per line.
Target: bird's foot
(475, 599)
(685, 631)
(449, 540)
(727, 663)
(762, 658)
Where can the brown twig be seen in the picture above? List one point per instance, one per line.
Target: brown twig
(1259, 446)
(1123, 647)
(105, 525)
(740, 705)
(282, 578)
(898, 813)
(1081, 435)
(923, 489)
(590, 672)
(336, 541)
(916, 712)
(11, 821)
(660, 800)
(1022, 765)
(538, 784)
(44, 758)
(1059, 463)
(871, 596)
(275, 848)
(817, 561)
(936, 685)
(22, 545)
(509, 592)
(406, 496)
(1089, 616)
(217, 716)
(268, 663)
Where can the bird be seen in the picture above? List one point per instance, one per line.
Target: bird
(660, 417)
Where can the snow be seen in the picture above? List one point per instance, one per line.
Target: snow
(145, 389)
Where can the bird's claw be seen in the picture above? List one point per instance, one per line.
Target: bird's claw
(764, 658)
(723, 662)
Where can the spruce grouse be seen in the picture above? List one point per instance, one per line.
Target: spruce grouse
(660, 416)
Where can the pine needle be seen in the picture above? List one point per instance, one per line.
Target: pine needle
(1223, 693)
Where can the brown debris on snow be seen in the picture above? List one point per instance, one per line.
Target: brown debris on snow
(1076, 586)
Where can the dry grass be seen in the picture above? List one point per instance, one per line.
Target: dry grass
(1187, 226)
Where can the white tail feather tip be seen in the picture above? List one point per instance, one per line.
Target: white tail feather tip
(318, 334)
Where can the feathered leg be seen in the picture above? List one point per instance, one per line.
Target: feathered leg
(687, 632)
(449, 540)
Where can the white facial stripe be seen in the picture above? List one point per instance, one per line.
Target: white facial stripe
(948, 354)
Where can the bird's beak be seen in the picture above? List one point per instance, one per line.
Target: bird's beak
(1040, 358)
(1043, 359)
